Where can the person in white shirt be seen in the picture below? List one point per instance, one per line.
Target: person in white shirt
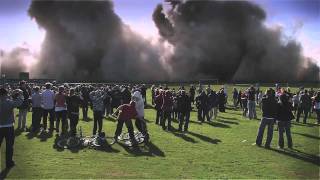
(47, 98)
(140, 122)
(36, 109)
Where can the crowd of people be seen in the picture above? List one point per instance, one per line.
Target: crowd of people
(61, 103)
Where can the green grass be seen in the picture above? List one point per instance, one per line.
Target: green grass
(222, 149)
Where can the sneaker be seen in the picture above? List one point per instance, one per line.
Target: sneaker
(115, 140)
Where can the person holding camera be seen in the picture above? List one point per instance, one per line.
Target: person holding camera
(7, 104)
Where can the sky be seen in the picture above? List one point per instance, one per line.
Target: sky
(299, 19)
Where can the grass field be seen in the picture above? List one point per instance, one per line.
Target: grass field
(221, 149)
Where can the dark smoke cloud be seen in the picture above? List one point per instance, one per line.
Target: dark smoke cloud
(86, 40)
(229, 41)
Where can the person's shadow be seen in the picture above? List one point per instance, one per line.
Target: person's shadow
(4, 173)
(149, 149)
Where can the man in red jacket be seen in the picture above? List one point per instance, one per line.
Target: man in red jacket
(125, 112)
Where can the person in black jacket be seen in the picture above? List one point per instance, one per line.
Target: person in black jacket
(284, 117)
(304, 106)
(202, 105)
(184, 108)
(269, 114)
(73, 105)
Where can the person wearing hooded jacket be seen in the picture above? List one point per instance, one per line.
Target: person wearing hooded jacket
(140, 122)
(269, 115)
(284, 117)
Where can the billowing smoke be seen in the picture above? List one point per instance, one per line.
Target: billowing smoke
(229, 41)
(86, 40)
(19, 59)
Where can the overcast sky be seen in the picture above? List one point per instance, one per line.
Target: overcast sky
(299, 20)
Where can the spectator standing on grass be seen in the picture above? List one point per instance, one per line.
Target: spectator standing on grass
(158, 103)
(140, 121)
(222, 100)
(47, 97)
(61, 110)
(85, 102)
(167, 105)
(269, 115)
(235, 97)
(316, 105)
(284, 117)
(304, 106)
(24, 107)
(74, 102)
(184, 108)
(7, 104)
(97, 98)
(202, 105)
(36, 109)
(295, 102)
(192, 93)
(244, 102)
(251, 103)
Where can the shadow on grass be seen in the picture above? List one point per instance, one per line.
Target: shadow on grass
(43, 136)
(228, 122)
(301, 124)
(299, 155)
(205, 138)
(149, 149)
(176, 133)
(228, 118)
(217, 124)
(88, 119)
(4, 173)
(307, 135)
(18, 132)
(195, 122)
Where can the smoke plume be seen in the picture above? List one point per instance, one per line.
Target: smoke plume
(86, 40)
(229, 41)
(19, 59)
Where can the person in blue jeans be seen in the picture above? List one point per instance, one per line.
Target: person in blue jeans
(269, 114)
(284, 117)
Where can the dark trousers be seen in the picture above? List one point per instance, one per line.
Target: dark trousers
(129, 127)
(8, 134)
(222, 108)
(202, 114)
(265, 122)
(74, 119)
(61, 116)
(85, 111)
(108, 109)
(184, 120)
(159, 117)
(51, 119)
(318, 114)
(284, 126)
(166, 115)
(305, 112)
(142, 126)
(97, 121)
(36, 118)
